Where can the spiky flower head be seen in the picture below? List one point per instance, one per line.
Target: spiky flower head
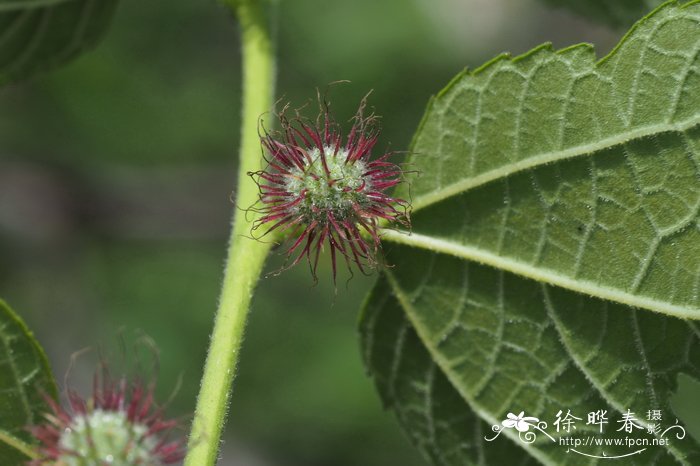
(118, 426)
(322, 189)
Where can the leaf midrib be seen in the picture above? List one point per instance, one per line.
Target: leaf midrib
(539, 274)
(534, 161)
(14, 5)
(437, 357)
(594, 381)
(423, 334)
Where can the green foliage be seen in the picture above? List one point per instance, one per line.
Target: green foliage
(557, 204)
(25, 378)
(579, 174)
(107, 117)
(616, 13)
(685, 402)
(37, 35)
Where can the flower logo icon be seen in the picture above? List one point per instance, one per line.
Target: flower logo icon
(521, 422)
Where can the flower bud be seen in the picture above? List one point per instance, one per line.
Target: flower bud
(118, 426)
(326, 191)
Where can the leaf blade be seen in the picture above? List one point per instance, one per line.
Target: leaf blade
(26, 379)
(613, 126)
(548, 276)
(572, 66)
(501, 351)
(396, 372)
(557, 195)
(38, 35)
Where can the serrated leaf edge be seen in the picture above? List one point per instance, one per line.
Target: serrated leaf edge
(548, 157)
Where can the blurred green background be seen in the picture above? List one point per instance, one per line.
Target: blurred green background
(115, 178)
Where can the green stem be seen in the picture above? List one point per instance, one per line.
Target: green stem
(245, 256)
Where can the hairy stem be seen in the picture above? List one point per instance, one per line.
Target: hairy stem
(245, 256)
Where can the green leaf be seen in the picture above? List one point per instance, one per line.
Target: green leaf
(454, 346)
(415, 387)
(615, 12)
(557, 204)
(25, 378)
(37, 35)
(579, 174)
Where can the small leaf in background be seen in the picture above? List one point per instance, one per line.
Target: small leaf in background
(555, 243)
(24, 379)
(618, 13)
(37, 35)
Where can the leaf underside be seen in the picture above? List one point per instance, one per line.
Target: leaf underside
(25, 378)
(556, 206)
(37, 35)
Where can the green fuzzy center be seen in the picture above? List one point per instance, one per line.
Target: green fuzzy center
(107, 438)
(336, 192)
